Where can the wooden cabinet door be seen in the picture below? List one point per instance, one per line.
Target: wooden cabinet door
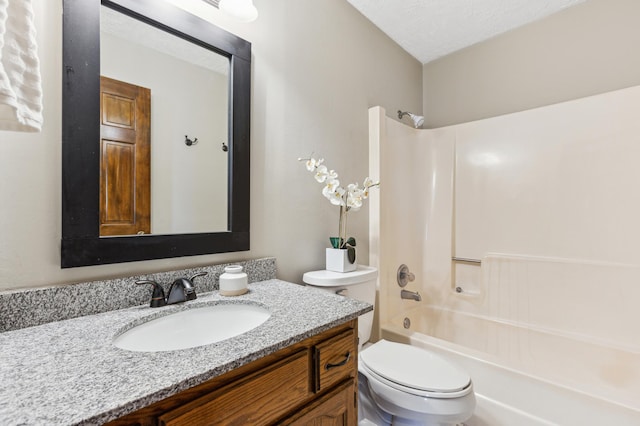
(337, 408)
(125, 158)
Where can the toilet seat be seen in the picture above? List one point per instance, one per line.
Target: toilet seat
(414, 370)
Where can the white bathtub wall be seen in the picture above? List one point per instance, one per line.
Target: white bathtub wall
(555, 189)
(402, 205)
(412, 221)
(558, 181)
(439, 217)
(588, 300)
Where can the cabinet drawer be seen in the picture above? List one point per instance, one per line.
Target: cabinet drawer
(335, 359)
(258, 399)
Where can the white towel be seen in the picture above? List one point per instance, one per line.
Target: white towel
(20, 83)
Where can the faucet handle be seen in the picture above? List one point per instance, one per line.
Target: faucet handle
(199, 274)
(157, 297)
(190, 290)
(404, 275)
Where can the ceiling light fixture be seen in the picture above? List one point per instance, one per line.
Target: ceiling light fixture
(240, 10)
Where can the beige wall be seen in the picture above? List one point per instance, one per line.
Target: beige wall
(585, 50)
(317, 68)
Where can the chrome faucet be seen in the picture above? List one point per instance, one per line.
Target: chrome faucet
(182, 290)
(410, 295)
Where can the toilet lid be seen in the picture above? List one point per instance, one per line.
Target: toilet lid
(414, 367)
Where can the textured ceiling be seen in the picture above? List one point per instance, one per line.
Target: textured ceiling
(429, 29)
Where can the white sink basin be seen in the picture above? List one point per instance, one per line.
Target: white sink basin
(192, 327)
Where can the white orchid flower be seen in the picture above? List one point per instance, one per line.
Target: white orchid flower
(312, 163)
(334, 192)
(337, 199)
(368, 184)
(330, 187)
(321, 173)
(350, 199)
(355, 196)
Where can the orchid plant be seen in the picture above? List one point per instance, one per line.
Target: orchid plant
(348, 199)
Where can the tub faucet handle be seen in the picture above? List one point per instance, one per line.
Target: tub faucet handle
(404, 275)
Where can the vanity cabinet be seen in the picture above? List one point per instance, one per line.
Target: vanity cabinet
(308, 383)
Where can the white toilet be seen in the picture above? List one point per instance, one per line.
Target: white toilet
(398, 384)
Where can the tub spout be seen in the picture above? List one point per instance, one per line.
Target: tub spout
(410, 295)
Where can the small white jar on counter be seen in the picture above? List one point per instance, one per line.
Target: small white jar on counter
(233, 282)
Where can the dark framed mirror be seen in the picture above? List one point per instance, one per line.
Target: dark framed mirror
(83, 240)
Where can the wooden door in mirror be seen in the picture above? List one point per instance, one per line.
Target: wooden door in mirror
(125, 158)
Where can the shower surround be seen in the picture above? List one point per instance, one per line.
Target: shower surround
(547, 200)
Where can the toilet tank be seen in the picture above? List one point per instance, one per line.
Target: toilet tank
(359, 284)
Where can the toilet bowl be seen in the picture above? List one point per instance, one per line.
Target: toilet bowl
(398, 384)
(414, 386)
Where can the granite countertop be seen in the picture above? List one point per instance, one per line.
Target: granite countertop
(69, 372)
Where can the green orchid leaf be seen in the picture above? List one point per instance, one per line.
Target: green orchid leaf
(335, 242)
(351, 241)
(351, 254)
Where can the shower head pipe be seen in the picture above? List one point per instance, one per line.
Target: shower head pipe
(417, 120)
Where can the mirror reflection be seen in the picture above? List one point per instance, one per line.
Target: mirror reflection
(163, 132)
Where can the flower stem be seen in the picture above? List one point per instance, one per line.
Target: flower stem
(342, 227)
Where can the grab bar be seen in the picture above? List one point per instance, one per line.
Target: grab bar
(466, 260)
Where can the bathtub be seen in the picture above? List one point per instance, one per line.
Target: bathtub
(524, 376)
